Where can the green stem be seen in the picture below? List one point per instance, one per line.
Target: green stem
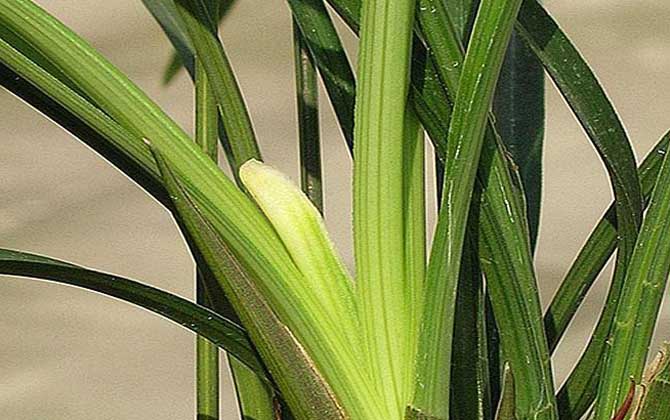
(207, 360)
(307, 96)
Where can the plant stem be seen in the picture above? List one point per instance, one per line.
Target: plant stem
(207, 360)
(307, 97)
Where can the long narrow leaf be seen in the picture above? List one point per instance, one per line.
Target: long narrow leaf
(446, 29)
(433, 108)
(519, 119)
(207, 356)
(595, 252)
(309, 137)
(325, 46)
(592, 108)
(201, 320)
(201, 22)
(491, 32)
(640, 305)
(588, 101)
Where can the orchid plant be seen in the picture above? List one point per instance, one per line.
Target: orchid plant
(453, 330)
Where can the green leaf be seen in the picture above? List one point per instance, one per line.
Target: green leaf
(470, 393)
(518, 107)
(640, 303)
(201, 23)
(388, 293)
(507, 407)
(199, 319)
(255, 399)
(462, 15)
(470, 396)
(493, 26)
(295, 372)
(586, 98)
(595, 253)
(207, 356)
(320, 37)
(309, 135)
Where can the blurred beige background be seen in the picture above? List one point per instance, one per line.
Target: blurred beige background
(70, 354)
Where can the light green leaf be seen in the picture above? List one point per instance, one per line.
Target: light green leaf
(388, 293)
(301, 228)
(295, 372)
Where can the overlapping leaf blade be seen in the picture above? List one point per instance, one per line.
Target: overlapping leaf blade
(466, 135)
(300, 381)
(640, 304)
(595, 252)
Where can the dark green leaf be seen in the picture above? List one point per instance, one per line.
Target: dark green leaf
(324, 44)
(470, 394)
(586, 98)
(307, 97)
(519, 119)
(201, 320)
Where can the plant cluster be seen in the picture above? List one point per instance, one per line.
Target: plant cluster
(453, 332)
